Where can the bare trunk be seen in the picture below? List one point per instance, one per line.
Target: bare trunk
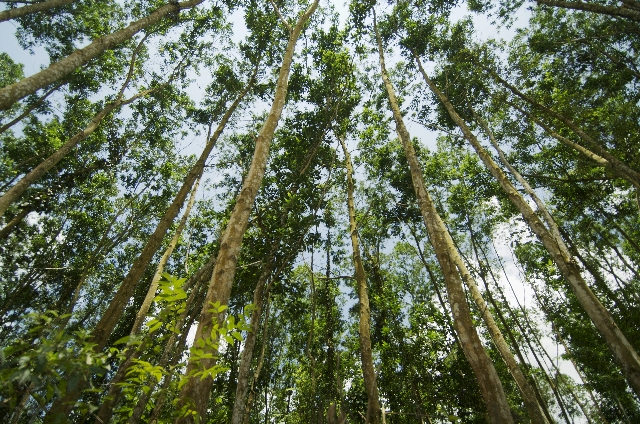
(624, 354)
(19, 12)
(256, 372)
(197, 280)
(366, 358)
(567, 351)
(7, 229)
(259, 294)
(534, 408)
(15, 192)
(616, 170)
(58, 70)
(196, 391)
(517, 348)
(446, 253)
(615, 11)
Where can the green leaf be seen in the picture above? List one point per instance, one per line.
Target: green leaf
(122, 340)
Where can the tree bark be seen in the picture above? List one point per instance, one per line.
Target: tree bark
(490, 385)
(621, 12)
(7, 229)
(197, 281)
(617, 171)
(19, 12)
(256, 372)
(366, 357)
(505, 324)
(58, 70)
(585, 386)
(624, 354)
(196, 391)
(260, 293)
(112, 315)
(29, 108)
(535, 410)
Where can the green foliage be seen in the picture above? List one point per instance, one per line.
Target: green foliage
(10, 71)
(48, 362)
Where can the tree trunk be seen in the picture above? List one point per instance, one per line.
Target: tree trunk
(256, 372)
(535, 410)
(624, 354)
(623, 12)
(197, 280)
(366, 358)
(585, 386)
(196, 391)
(610, 166)
(19, 12)
(58, 70)
(490, 385)
(151, 293)
(29, 108)
(510, 333)
(616, 165)
(15, 192)
(7, 229)
(111, 316)
(259, 294)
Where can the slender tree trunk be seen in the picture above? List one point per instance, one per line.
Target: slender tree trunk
(20, 407)
(196, 391)
(596, 405)
(58, 70)
(7, 229)
(151, 293)
(200, 289)
(30, 108)
(615, 11)
(434, 282)
(15, 192)
(259, 294)
(490, 385)
(534, 408)
(542, 208)
(256, 373)
(112, 315)
(624, 354)
(526, 333)
(197, 280)
(616, 170)
(366, 357)
(510, 333)
(19, 12)
(616, 165)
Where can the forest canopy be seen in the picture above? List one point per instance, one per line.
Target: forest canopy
(233, 211)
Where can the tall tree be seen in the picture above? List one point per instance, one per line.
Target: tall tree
(446, 252)
(196, 391)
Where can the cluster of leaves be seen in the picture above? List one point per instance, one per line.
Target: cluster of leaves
(48, 362)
